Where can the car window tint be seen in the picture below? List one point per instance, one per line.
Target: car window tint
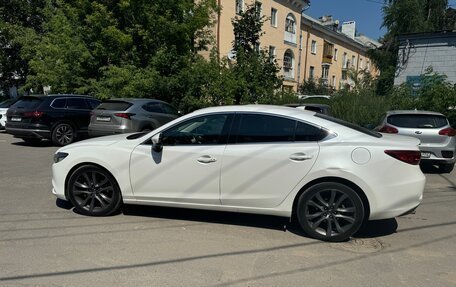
(169, 109)
(58, 103)
(27, 103)
(417, 121)
(114, 106)
(306, 132)
(264, 128)
(205, 130)
(153, 107)
(77, 104)
(93, 103)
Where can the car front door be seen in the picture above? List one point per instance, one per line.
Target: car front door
(188, 167)
(266, 157)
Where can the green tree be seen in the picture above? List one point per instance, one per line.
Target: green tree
(255, 71)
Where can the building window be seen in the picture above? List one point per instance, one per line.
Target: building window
(361, 65)
(345, 61)
(344, 75)
(313, 47)
(324, 72)
(272, 51)
(333, 82)
(288, 64)
(335, 54)
(258, 8)
(290, 29)
(353, 64)
(311, 72)
(239, 6)
(273, 17)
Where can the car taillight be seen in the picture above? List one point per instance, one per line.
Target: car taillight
(448, 132)
(388, 130)
(407, 156)
(124, 115)
(35, 114)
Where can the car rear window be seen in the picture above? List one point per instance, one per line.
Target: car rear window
(27, 103)
(349, 125)
(417, 121)
(114, 106)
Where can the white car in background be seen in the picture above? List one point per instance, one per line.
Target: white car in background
(255, 159)
(3, 108)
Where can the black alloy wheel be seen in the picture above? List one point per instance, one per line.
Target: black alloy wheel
(63, 134)
(330, 211)
(94, 191)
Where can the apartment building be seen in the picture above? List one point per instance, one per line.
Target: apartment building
(304, 47)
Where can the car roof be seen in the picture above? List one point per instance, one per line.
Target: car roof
(134, 100)
(69, 95)
(256, 108)
(416, 112)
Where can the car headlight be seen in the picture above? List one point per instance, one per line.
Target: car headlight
(60, 156)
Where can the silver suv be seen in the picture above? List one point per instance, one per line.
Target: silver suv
(117, 116)
(438, 138)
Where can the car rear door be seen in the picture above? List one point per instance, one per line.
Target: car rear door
(77, 111)
(266, 157)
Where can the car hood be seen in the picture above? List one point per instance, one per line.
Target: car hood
(400, 140)
(99, 141)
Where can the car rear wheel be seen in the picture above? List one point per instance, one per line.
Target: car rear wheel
(63, 134)
(446, 168)
(94, 191)
(330, 211)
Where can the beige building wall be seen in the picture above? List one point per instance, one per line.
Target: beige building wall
(297, 44)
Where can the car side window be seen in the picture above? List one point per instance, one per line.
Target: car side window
(256, 128)
(306, 132)
(77, 104)
(58, 103)
(93, 103)
(169, 109)
(204, 130)
(153, 107)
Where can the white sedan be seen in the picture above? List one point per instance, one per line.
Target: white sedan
(273, 160)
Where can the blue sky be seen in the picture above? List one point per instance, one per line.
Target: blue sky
(366, 13)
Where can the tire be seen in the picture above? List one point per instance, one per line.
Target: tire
(32, 141)
(446, 168)
(63, 134)
(93, 191)
(330, 211)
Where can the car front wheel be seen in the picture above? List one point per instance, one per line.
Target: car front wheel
(93, 191)
(330, 211)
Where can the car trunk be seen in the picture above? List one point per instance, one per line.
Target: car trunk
(104, 114)
(424, 127)
(24, 111)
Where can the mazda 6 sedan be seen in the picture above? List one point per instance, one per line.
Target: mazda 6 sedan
(329, 174)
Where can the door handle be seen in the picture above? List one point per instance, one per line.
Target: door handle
(206, 159)
(300, 156)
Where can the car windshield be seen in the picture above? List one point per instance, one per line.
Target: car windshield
(27, 103)
(114, 106)
(417, 121)
(349, 125)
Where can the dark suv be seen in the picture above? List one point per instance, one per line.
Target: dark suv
(60, 118)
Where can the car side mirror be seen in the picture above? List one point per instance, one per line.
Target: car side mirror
(157, 144)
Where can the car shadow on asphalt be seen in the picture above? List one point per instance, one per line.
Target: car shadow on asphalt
(42, 143)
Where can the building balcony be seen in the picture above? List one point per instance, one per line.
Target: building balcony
(290, 37)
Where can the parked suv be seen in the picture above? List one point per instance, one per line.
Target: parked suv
(130, 115)
(438, 138)
(60, 118)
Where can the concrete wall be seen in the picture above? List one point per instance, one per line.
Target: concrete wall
(418, 52)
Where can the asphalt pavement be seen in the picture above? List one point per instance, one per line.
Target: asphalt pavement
(43, 242)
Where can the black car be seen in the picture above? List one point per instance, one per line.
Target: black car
(60, 118)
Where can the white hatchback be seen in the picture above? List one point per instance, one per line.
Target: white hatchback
(281, 161)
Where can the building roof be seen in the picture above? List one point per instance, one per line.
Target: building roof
(434, 34)
(356, 42)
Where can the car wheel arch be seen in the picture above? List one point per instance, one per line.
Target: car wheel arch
(67, 178)
(340, 180)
